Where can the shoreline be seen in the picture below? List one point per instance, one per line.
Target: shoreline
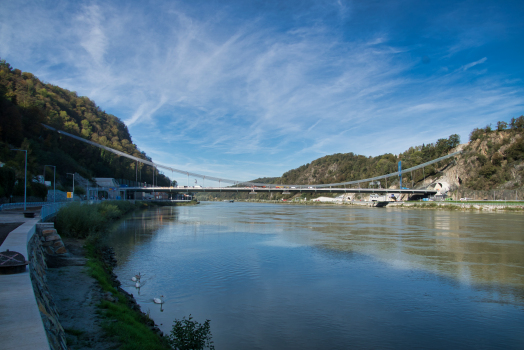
(82, 299)
(454, 205)
(95, 312)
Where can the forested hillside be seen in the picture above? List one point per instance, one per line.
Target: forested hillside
(342, 167)
(25, 102)
(492, 159)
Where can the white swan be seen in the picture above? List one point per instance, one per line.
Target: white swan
(159, 300)
(137, 284)
(136, 277)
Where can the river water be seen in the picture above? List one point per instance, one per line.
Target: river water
(272, 276)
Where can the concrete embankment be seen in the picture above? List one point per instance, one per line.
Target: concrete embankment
(28, 315)
(21, 325)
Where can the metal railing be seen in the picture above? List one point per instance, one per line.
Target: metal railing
(7, 206)
(49, 210)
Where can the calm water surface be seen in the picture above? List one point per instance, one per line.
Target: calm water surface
(274, 276)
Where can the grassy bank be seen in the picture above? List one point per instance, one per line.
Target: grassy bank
(122, 319)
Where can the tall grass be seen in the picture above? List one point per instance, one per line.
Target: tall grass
(82, 220)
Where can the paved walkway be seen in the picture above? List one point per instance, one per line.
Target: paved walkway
(21, 326)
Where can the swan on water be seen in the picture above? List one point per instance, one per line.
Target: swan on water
(159, 300)
(137, 284)
(136, 277)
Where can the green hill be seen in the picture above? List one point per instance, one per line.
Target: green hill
(25, 102)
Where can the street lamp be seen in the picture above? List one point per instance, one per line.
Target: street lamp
(25, 176)
(73, 196)
(54, 181)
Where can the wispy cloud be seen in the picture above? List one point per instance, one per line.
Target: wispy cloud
(473, 64)
(228, 89)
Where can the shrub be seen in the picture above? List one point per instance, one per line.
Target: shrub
(109, 211)
(79, 221)
(488, 170)
(191, 335)
(496, 159)
(475, 134)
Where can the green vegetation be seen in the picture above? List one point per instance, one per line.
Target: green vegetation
(495, 155)
(26, 102)
(191, 335)
(74, 331)
(349, 166)
(82, 220)
(131, 327)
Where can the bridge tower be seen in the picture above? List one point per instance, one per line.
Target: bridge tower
(400, 174)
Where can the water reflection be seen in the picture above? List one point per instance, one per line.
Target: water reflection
(285, 277)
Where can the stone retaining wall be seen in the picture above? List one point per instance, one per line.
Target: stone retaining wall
(46, 241)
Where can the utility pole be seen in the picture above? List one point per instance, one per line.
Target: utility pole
(54, 181)
(73, 195)
(25, 176)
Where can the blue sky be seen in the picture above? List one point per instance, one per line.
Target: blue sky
(246, 89)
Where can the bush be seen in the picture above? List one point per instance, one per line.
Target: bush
(488, 170)
(78, 220)
(109, 211)
(191, 335)
(476, 134)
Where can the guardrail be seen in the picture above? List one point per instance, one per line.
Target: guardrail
(49, 210)
(21, 205)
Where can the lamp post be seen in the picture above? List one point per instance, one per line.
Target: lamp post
(54, 181)
(73, 196)
(25, 175)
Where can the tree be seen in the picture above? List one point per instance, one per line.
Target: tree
(80, 190)
(39, 190)
(7, 180)
(454, 140)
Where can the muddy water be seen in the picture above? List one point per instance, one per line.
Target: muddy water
(296, 277)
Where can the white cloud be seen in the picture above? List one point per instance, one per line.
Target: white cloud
(226, 90)
(94, 40)
(473, 64)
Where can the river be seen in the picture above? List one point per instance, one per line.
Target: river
(272, 276)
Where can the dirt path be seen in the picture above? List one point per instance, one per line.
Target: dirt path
(76, 296)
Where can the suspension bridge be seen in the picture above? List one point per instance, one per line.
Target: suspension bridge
(258, 187)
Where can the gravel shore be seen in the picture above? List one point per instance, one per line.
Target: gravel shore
(77, 295)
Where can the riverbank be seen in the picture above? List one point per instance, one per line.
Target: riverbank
(443, 205)
(94, 311)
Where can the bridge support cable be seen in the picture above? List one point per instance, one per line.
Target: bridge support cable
(233, 182)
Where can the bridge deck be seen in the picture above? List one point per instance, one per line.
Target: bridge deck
(286, 189)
